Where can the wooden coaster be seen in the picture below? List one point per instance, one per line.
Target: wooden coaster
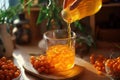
(69, 74)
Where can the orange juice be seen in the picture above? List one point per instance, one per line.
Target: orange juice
(69, 35)
(83, 9)
(61, 56)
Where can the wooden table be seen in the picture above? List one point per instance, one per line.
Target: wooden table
(89, 72)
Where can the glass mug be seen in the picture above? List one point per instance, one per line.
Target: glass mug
(58, 51)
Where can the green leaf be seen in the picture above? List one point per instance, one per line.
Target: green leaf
(29, 7)
(22, 1)
(48, 23)
(8, 15)
(42, 15)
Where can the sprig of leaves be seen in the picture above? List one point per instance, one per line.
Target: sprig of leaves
(9, 14)
(84, 36)
(50, 12)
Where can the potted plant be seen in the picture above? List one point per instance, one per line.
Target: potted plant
(7, 16)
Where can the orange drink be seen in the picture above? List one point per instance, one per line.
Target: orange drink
(62, 56)
(59, 52)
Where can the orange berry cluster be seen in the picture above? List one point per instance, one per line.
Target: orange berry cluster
(8, 70)
(98, 62)
(41, 64)
(105, 65)
(113, 66)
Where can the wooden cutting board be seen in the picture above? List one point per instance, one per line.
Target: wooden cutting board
(73, 73)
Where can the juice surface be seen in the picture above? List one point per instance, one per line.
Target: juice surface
(84, 8)
(61, 56)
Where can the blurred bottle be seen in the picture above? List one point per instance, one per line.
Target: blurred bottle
(77, 9)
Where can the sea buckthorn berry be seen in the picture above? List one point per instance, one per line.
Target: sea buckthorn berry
(41, 64)
(98, 62)
(109, 66)
(8, 69)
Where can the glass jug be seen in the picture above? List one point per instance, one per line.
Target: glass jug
(77, 9)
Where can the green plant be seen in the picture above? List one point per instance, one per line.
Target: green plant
(84, 34)
(7, 15)
(50, 11)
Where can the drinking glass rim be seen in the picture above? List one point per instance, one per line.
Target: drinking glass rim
(46, 37)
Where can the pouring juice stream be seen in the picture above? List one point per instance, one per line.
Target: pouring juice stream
(77, 9)
(62, 56)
